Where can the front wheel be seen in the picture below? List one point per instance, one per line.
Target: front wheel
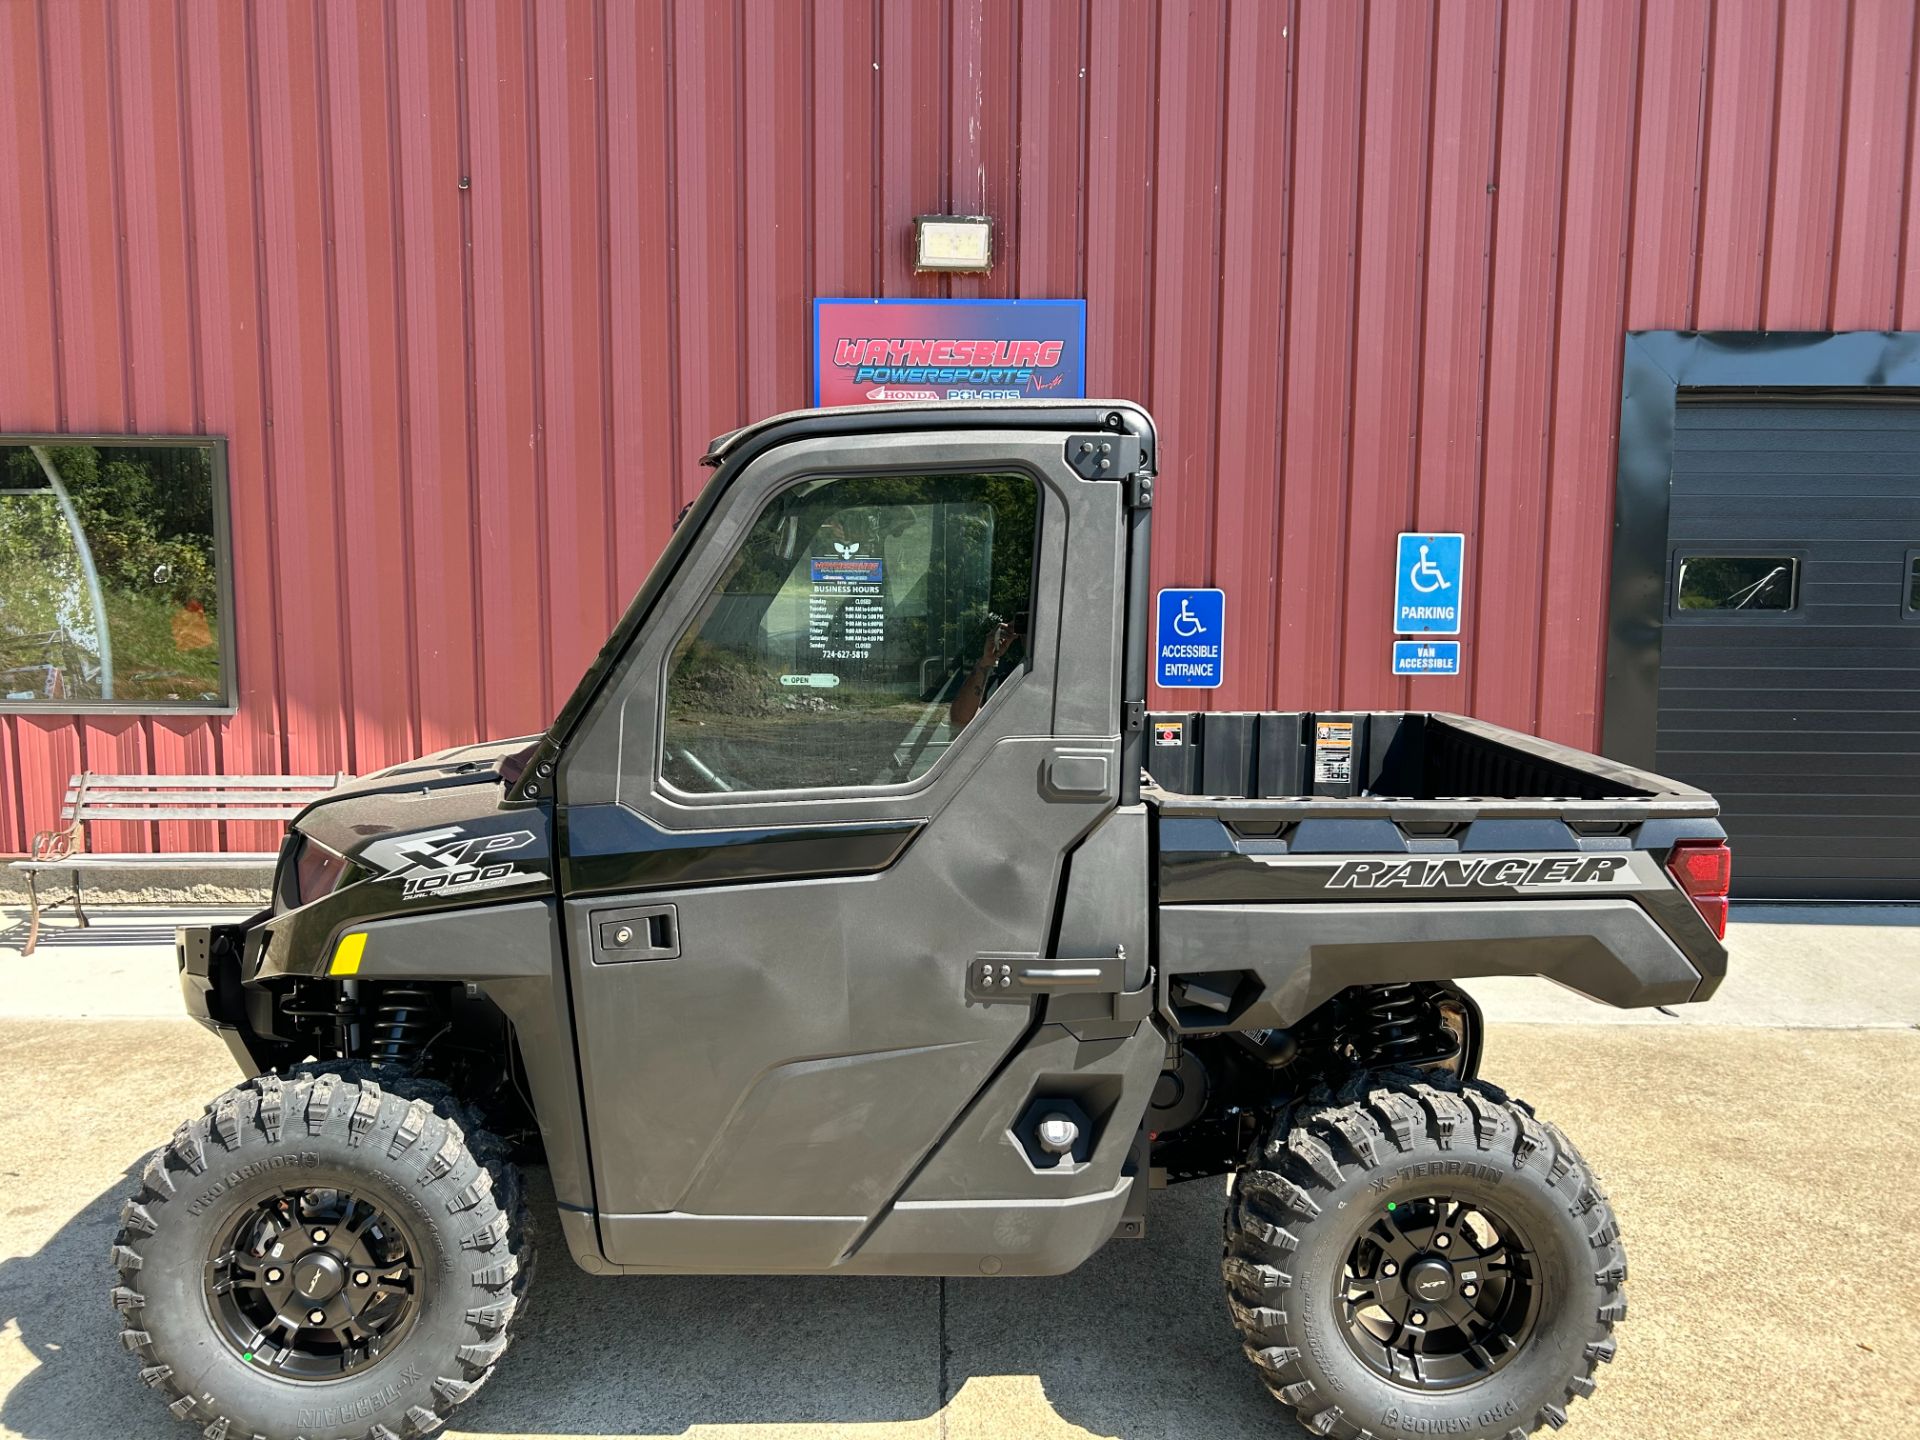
(1417, 1256)
(321, 1254)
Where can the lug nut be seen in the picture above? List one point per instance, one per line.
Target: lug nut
(318, 1317)
(319, 1237)
(1389, 1268)
(1419, 1317)
(273, 1277)
(360, 1277)
(1469, 1290)
(1441, 1242)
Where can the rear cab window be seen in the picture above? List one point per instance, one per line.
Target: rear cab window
(863, 624)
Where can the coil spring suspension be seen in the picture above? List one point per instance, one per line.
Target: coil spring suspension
(1399, 1025)
(405, 1018)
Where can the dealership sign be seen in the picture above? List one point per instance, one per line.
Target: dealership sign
(866, 352)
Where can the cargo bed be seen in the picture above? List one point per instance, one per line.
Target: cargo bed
(1404, 765)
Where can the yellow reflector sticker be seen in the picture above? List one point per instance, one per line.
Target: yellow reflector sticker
(346, 955)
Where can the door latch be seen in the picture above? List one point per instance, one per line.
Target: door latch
(646, 932)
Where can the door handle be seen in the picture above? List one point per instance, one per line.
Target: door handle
(1014, 976)
(643, 932)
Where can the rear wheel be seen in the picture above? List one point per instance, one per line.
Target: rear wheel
(1419, 1256)
(322, 1254)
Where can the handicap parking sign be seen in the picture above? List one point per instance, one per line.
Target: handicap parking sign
(1426, 586)
(1189, 644)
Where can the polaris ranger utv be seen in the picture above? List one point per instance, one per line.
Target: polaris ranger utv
(855, 916)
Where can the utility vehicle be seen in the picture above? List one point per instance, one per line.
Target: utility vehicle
(856, 916)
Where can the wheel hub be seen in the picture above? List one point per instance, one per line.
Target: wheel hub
(313, 1284)
(1438, 1293)
(318, 1276)
(1430, 1281)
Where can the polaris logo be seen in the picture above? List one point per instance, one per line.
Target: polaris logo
(1492, 872)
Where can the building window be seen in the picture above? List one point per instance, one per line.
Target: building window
(1750, 584)
(114, 574)
(862, 625)
(1913, 583)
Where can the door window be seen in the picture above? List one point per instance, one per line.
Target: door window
(1753, 584)
(862, 624)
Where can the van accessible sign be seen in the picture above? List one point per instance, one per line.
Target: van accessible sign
(869, 351)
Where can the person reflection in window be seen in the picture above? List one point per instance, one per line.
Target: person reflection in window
(973, 690)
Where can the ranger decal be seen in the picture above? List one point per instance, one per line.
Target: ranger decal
(1496, 871)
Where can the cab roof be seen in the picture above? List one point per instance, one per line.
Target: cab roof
(912, 415)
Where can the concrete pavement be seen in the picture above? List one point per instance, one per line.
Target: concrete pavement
(1759, 1170)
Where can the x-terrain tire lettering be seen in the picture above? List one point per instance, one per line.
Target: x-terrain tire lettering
(324, 1253)
(1413, 1256)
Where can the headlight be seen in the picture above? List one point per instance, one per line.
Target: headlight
(317, 871)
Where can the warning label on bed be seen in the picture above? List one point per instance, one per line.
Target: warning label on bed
(1169, 732)
(1333, 752)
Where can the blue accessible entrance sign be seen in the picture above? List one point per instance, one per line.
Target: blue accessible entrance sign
(1426, 657)
(1189, 643)
(1426, 585)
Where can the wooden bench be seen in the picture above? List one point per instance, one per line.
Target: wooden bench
(143, 799)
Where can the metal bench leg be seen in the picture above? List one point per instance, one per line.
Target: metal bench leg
(77, 908)
(33, 913)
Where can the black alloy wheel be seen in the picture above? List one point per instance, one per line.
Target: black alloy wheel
(1438, 1293)
(312, 1284)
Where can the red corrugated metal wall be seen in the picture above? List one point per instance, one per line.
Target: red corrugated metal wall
(1370, 265)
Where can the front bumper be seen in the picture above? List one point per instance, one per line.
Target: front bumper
(209, 960)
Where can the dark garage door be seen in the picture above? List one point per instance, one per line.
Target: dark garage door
(1790, 652)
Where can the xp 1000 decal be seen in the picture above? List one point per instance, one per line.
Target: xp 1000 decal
(451, 861)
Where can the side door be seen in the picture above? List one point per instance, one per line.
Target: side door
(847, 754)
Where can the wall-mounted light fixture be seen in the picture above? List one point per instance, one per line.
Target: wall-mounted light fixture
(951, 243)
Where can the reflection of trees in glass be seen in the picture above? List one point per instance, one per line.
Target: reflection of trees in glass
(1736, 582)
(147, 515)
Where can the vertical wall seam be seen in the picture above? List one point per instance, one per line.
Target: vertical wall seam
(349, 721)
(1556, 328)
(56, 289)
(1703, 159)
(1210, 549)
(1084, 110)
(1343, 557)
(117, 188)
(1149, 295)
(263, 328)
(1410, 512)
(809, 162)
(1901, 232)
(671, 133)
(463, 121)
(603, 182)
(737, 114)
(1845, 101)
(196, 339)
(1016, 40)
(403, 351)
(1773, 165)
(876, 148)
(1289, 196)
(536, 318)
(1484, 400)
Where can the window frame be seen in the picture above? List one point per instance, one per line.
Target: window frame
(229, 702)
(932, 773)
(1794, 613)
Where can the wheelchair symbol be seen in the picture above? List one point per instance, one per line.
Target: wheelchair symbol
(1187, 624)
(1427, 577)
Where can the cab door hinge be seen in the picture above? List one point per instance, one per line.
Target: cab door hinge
(1105, 456)
(1140, 490)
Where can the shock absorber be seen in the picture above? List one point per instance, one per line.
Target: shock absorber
(1398, 1025)
(404, 1019)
